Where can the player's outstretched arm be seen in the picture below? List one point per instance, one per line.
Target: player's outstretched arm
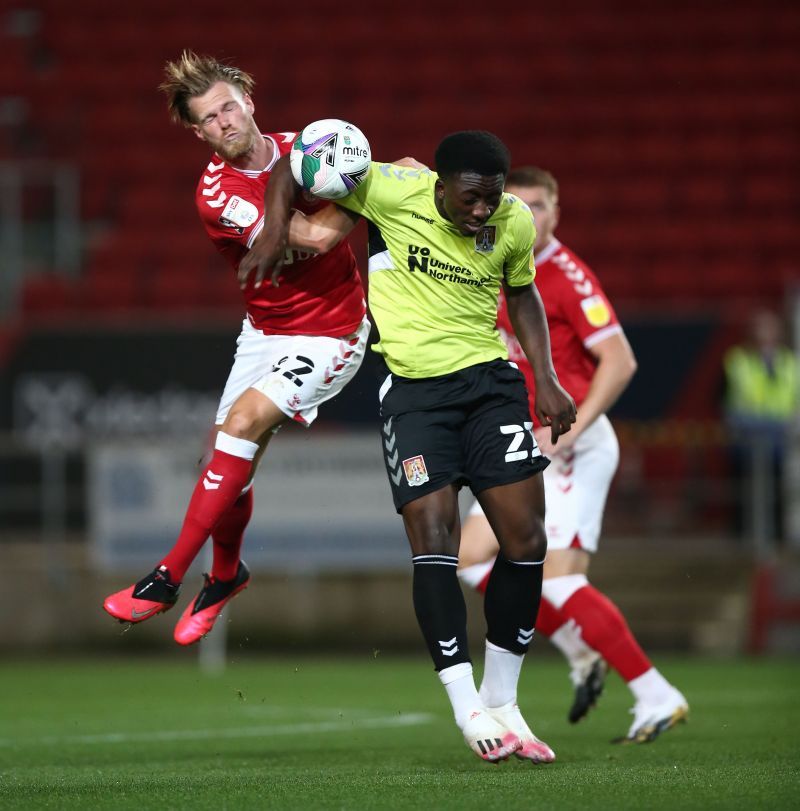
(321, 231)
(554, 407)
(269, 248)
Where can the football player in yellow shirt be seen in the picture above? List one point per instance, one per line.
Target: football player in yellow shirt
(454, 409)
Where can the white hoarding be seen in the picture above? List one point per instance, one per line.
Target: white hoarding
(322, 503)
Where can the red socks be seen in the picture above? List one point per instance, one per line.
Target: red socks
(601, 624)
(228, 535)
(550, 619)
(604, 628)
(219, 486)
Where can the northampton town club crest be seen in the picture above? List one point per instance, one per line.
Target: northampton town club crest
(415, 470)
(484, 239)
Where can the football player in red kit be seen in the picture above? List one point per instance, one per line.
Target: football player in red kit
(594, 363)
(301, 341)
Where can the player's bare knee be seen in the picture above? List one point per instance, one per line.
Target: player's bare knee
(530, 546)
(243, 425)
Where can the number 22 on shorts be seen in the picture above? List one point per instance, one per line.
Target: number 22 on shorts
(517, 432)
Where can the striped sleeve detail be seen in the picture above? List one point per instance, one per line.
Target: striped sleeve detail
(601, 335)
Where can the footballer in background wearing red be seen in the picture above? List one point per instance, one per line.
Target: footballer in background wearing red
(594, 362)
(301, 341)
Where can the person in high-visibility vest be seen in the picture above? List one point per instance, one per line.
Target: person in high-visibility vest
(762, 399)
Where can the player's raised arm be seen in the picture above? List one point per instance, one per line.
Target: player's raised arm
(269, 248)
(554, 406)
(322, 144)
(322, 230)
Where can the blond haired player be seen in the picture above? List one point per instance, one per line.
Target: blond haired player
(301, 342)
(594, 362)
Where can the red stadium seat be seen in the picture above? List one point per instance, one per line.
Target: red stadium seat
(661, 123)
(48, 293)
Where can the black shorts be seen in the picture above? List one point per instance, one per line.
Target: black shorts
(471, 427)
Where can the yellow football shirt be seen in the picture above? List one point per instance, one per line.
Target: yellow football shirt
(432, 291)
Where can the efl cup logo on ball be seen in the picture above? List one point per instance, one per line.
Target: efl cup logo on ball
(330, 158)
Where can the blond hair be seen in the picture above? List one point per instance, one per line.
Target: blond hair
(528, 176)
(194, 75)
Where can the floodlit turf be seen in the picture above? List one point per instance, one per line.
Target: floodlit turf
(376, 733)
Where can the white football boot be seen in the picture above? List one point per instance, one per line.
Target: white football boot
(650, 720)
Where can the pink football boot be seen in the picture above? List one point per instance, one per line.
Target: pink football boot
(152, 595)
(200, 616)
(532, 748)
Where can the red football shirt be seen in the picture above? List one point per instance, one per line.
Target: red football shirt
(318, 294)
(578, 316)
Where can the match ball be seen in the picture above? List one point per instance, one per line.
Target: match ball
(330, 158)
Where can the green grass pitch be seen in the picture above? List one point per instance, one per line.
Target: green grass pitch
(377, 733)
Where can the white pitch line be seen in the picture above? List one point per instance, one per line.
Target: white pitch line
(411, 719)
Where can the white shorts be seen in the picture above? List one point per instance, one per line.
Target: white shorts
(296, 372)
(576, 486)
